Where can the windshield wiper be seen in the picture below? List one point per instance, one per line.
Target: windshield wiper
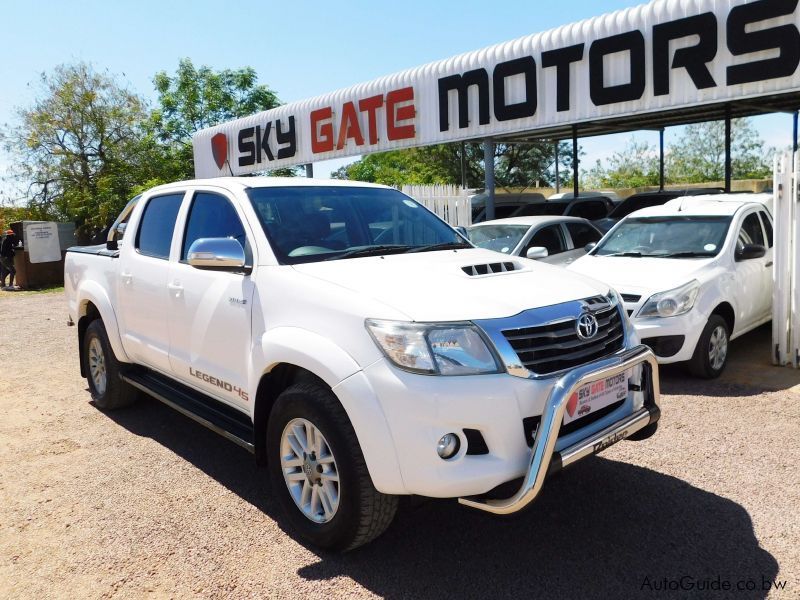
(370, 251)
(688, 254)
(630, 254)
(444, 246)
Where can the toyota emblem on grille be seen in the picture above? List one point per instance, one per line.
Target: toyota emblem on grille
(587, 326)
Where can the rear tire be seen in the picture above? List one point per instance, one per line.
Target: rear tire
(322, 483)
(108, 390)
(711, 354)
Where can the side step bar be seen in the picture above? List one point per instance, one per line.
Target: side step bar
(221, 418)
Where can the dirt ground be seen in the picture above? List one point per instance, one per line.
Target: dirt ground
(144, 502)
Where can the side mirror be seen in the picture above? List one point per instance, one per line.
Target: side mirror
(222, 254)
(590, 246)
(750, 251)
(536, 252)
(462, 231)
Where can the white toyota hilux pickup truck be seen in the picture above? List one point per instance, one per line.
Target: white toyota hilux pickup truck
(357, 345)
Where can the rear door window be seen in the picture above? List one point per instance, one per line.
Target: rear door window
(591, 210)
(154, 237)
(549, 237)
(767, 226)
(582, 234)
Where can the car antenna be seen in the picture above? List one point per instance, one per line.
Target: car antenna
(228, 162)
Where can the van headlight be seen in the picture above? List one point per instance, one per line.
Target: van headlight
(433, 348)
(671, 303)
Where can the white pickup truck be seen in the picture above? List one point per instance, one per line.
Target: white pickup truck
(357, 345)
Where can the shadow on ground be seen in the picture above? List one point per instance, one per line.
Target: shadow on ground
(749, 371)
(602, 529)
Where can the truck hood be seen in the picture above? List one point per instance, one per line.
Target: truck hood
(641, 275)
(433, 286)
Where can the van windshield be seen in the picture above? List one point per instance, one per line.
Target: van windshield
(314, 223)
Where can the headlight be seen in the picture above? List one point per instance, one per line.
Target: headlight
(434, 349)
(672, 303)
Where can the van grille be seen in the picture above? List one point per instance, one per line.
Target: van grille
(556, 346)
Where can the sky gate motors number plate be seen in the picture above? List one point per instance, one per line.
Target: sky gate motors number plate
(596, 395)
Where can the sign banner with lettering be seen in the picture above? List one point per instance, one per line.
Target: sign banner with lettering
(660, 56)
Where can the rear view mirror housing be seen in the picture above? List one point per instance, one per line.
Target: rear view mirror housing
(537, 252)
(218, 254)
(750, 251)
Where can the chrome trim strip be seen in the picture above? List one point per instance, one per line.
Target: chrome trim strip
(547, 434)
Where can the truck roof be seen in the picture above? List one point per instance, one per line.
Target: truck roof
(706, 205)
(261, 182)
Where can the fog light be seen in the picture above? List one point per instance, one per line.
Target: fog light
(448, 445)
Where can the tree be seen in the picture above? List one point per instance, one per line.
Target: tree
(81, 148)
(635, 166)
(516, 165)
(699, 155)
(196, 98)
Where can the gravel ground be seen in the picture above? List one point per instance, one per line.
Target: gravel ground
(145, 502)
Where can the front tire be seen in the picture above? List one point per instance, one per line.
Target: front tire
(711, 354)
(108, 390)
(318, 471)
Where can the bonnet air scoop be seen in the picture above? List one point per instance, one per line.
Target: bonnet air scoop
(491, 268)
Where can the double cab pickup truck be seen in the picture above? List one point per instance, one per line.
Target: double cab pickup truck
(357, 345)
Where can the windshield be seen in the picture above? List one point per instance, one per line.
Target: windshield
(307, 224)
(666, 237)
(501, 238)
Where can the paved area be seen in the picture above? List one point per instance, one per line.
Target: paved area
(143, 502)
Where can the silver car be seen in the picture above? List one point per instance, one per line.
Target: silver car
(555, 240)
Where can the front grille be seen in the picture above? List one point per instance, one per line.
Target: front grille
(556, 346)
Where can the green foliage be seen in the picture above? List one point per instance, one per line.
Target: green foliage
(635, 166)
(517, 165)
(196, 98)
(697, 157)
(81, 147)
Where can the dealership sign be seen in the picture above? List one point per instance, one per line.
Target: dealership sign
(664, 55)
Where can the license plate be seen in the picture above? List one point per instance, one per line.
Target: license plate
(596, 395)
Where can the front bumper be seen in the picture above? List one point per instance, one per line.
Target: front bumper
(543, 457)
(689, 325)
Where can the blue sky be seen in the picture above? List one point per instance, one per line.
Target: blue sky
(300, 49)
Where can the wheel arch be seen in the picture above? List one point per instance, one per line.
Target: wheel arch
(93, 303)
(725, 310)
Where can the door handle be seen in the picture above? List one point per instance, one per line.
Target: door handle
(768, 265)
(176, 288)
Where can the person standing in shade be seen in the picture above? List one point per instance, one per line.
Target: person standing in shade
(7, 258)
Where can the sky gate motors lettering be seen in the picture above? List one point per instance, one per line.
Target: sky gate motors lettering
(745, 35)
(357, 122)
(657, 58)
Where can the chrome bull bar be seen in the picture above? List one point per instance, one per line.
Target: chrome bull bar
(543, 459)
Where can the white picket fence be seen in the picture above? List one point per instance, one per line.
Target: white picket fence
(450, 202)
(786, 267)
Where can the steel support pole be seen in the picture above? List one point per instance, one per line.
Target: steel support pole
(488, 167)
(794, 136)
(558, 177)
(661, 160)
(309, 170)
(575, 160)
(727, 147)
(463, 166)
